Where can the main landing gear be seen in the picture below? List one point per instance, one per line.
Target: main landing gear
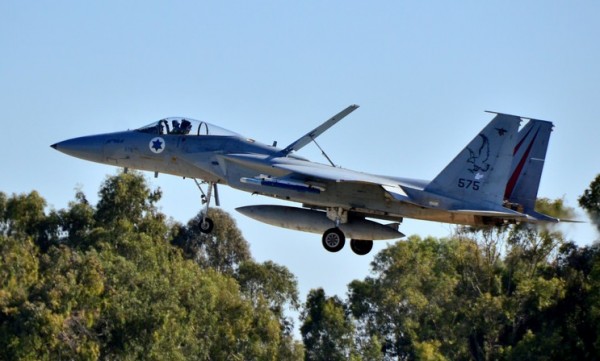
(361, 247)
(207, 224)
(334, 239)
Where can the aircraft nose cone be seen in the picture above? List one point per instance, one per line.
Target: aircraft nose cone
(88, 148)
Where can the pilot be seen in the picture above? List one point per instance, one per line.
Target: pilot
(176, 129)
(186, 126)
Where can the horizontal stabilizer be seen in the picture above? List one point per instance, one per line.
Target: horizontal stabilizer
(313, 134)
(539, 217)
(570, 221)
(502, 212)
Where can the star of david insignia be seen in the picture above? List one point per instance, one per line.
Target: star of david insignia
(157, 145)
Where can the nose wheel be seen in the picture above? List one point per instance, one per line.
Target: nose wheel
(207, 224)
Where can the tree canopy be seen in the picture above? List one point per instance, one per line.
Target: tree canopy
(590, 201)
(119, 280)
(109, 282)
(512, 292)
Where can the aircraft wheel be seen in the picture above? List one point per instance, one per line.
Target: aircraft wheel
(206, 225)
(360, 246)
(333, 239)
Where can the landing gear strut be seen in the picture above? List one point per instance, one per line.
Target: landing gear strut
(207, 225)
(334, 239)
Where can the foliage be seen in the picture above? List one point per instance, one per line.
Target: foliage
(448, 299)
(106, 282)
(590, 201)
(119, 281)
(224, 249)
(511, 292)
(327, 330)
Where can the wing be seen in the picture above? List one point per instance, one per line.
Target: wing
(318, 172)
(313, 134)
(323, 172)
(286, 170)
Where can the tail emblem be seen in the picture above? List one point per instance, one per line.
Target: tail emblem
(479, 157)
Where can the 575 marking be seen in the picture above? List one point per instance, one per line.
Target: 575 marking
(468, 184)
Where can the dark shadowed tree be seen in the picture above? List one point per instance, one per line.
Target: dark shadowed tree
(590, 201)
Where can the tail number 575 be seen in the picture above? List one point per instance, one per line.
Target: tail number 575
(468, 184)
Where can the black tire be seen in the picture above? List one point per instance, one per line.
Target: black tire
(360, 246)
(333, 239)
(206, 225)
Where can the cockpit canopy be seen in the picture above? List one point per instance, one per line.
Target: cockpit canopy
(184, 126)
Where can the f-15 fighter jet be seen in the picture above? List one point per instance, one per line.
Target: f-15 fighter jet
(493, 180)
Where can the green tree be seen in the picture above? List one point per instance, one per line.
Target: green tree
(327, 330)
(106, 282)
(271, 282)
(484, 294)
(77, 222)
(126, 197)
(274, 286)
(224, 249)
(409, 303)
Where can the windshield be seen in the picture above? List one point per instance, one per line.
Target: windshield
(185, 126)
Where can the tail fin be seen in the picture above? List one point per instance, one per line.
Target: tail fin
(479, 173)
(527, 164)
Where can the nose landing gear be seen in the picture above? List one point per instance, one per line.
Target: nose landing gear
(207, 224)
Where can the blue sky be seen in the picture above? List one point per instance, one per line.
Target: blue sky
(423, 73)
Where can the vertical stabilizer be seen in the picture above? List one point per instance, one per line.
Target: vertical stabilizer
(480, 172)
(529, 155)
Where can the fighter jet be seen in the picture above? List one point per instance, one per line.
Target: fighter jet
(493, 180)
